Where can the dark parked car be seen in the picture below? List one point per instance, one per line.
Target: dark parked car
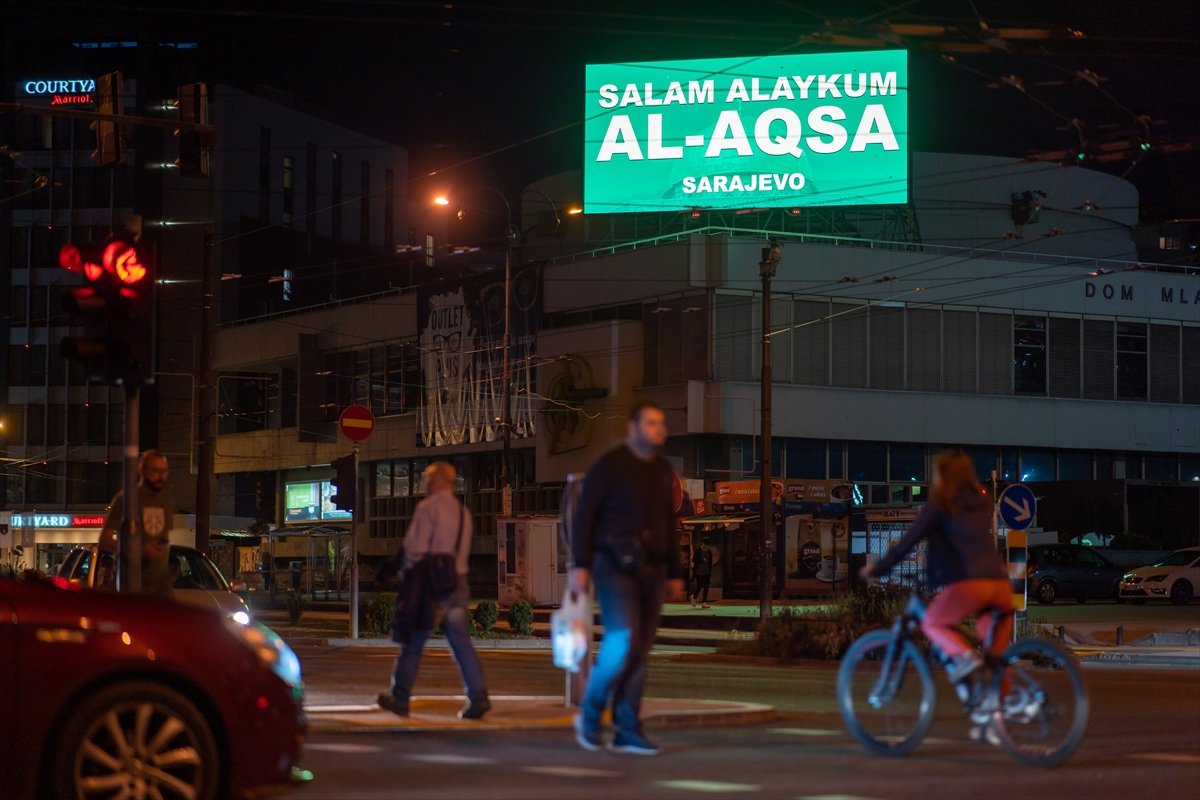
(111, 695)
(1071, 570)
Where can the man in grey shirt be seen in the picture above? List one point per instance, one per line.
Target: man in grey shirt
(156, 507)
(440, 525)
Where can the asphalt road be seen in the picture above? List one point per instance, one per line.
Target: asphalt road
(1143, 741)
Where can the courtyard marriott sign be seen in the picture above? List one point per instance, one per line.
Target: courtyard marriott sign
(770, 132)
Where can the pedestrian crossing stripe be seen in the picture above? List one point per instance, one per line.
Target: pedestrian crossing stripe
(449, 758)
(1167, 758)
(709, 787)
(572, 772)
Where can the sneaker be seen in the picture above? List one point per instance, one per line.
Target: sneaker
(476, 708)
(963, 665)
(389, 703)
(706, 605)
(1020, 707)
(985, 733)
(633, 744)
(587, 738)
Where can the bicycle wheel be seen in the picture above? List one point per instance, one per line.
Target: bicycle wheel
(888, 712)
(1044, 713)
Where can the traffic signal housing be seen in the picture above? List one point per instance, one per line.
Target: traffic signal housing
(344, 483)
(112, 313)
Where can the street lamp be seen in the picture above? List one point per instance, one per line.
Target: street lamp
(510, 234)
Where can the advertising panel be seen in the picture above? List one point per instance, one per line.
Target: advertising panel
(816, 536)
(777, 131)
(309, 501)
(885, 526)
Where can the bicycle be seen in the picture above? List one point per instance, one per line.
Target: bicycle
(1039, 718)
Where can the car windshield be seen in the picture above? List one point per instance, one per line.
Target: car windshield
(190, 570)
(1180, 558)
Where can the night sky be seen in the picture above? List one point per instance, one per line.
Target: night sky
(457, 82)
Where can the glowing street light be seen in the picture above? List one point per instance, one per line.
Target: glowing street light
(573, 210)
(441, 200)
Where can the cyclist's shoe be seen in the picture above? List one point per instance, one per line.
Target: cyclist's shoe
(1022, 707)
(963, 665)
(985, 733)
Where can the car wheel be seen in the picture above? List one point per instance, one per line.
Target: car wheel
(136, 739)
(1046, 592)
(1181, 593)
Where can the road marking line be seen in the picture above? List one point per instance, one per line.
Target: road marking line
(834, 797)
(807, 731)
(572, 772)
(1169, 758)
(339, 747)
(449, 758)
(712, 787)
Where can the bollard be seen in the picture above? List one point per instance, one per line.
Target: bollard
(1120, 635)
(1062, 634)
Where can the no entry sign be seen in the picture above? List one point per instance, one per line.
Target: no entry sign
(357, 422)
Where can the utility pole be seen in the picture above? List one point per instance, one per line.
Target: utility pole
(204, 435)
(766, 506)
(129, 537)
(506, 421)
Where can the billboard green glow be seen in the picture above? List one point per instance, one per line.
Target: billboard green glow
(771, 132)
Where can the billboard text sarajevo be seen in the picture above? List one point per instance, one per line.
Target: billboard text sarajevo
(769, 132)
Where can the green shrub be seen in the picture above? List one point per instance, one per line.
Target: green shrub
(377, 614)
(520, 617)
(485, 615)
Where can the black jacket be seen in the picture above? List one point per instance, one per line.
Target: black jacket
(627, 502)
(961, 546)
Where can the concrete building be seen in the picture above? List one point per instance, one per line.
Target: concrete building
(1004, 311)
(292, 205)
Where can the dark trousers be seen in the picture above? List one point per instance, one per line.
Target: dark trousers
(456, 627)
(630, 606)
(702, 582)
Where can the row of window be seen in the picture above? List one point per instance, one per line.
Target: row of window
(832, 343)
(55, 484)
(54, 424)
(385, 378)
(896, 463)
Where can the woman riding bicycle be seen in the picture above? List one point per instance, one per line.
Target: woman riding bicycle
(962, 559)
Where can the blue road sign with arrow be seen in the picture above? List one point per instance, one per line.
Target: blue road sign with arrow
(1017, 507)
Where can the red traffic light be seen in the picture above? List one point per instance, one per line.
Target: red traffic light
(121, 260)
(70, 257)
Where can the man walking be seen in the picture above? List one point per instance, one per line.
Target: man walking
(156, 507)
(702, 563)
(440, 525)
(624, 538)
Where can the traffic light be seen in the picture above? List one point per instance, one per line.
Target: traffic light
(345, 483)
(112, 313)
(109, 145)
(193, 145)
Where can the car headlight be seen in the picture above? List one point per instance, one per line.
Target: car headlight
(1128, 576)
(271, 650)
(1156, 579)
(240, 617)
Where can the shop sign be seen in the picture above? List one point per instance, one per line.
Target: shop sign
(58, 92)
(57, 520)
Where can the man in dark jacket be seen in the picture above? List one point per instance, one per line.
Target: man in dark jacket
(624, 537)
(702, 563)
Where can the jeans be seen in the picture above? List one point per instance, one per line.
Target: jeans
(701, 582)
(455, 625)
(629, 610)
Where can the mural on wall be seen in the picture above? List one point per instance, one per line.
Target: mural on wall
(570, 421)
(462, 358)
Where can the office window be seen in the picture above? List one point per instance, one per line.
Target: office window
(1104, 466)
(887, 348)
(1029, 355)
(1062, 357)
(734, 339)
(383, 479)
(1074, 466)
(1164, 363)
(851, 340)
(364, 203)
(810, 343)
(867, 461)
(310, 189)
(1162, 467)
(264, 173)
(959, 351)
(335, 196)
(906, 462)
(995, 353)
(389, 209)
(1189, 468)
(1037, 465)
(924, 348)
(289, 190)
(1097, 359)
(805, 458)
(1189, 350)
(984, 461)
(1133, 466)
(1131, 360)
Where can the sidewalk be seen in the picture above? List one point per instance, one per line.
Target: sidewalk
(519, 712)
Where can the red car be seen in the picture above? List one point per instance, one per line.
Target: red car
(107, 695)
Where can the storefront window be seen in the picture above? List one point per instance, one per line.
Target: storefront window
(1189, 468)
(1162, 467)
(837, 467)
(1074, 466)
(984, 461)
(383, 479)
(805, 458)
(1104, 466)
(1037, 465)
(1008, 466)
(1133, 466)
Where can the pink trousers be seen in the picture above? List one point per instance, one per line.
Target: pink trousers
(959, 601)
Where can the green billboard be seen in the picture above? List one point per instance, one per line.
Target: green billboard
(737, 133)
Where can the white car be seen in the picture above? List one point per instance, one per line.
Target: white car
(1175, 578)
(197, 580)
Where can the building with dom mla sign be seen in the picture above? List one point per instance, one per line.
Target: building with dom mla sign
(922, 301)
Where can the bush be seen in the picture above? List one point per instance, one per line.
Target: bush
(485, 615)
(378, 614)
(520, 617)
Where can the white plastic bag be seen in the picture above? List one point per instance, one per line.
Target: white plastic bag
(571, 631)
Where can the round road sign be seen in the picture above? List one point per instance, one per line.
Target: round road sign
(357, 422)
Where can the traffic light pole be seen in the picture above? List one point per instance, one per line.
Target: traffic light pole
(129, 538)
(358, 494)
(766, 505)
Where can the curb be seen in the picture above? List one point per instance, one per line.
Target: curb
(371, 719)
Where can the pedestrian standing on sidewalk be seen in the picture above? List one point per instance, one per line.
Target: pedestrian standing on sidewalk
(440, 525)
(624, 538)
(156, 508)
(702, 563)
